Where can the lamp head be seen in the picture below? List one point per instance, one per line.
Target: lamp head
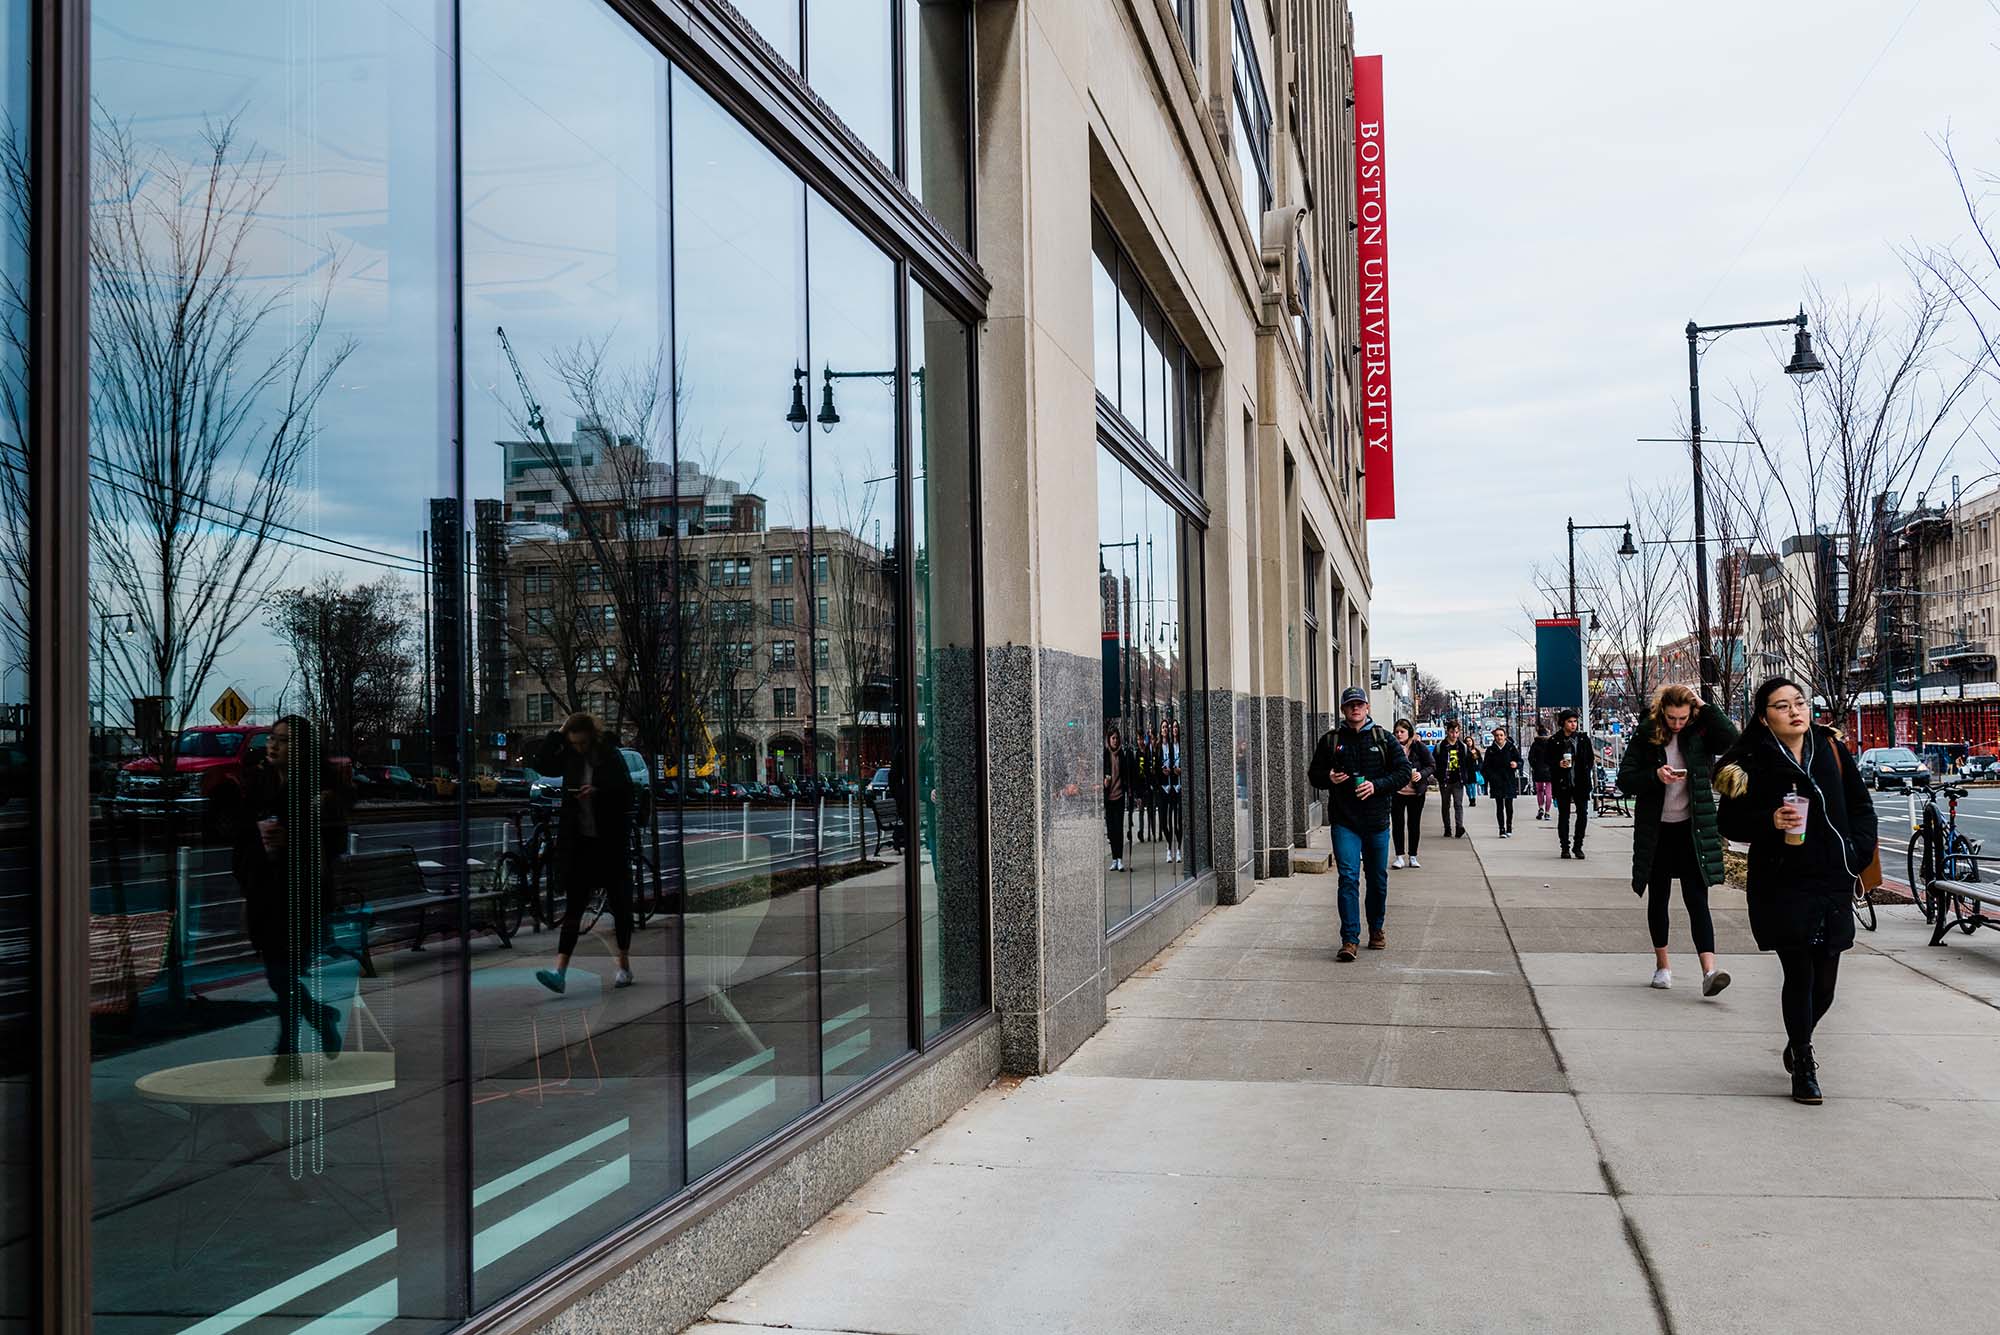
(798, 415)
(1805, 363)
(1626, 550)
(828, 418)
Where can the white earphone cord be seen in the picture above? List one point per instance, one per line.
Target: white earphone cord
(1839, 839)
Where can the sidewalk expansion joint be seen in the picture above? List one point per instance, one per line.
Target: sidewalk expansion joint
(1634, 1240)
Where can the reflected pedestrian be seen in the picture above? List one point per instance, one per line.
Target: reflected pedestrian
(1119, 778)
(593, 840)
(1170, 790)
(1791, 790)
(290, 826)
(1406, 810)
(1359, 765)
(1669, 769)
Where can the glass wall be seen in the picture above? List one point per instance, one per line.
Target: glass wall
(847, 51)
(407, 982)
(271, 438)
(1143, 370)
(19, 1164)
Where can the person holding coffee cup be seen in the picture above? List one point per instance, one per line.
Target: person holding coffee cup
(1360, 765)
(1791, 790)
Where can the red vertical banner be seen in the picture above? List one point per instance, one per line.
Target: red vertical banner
(1372, 242)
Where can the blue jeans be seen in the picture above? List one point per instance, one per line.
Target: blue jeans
(1352, 849)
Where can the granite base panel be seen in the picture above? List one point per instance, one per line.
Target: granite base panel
(673, 1284)
(1163, 925)
(1302, 791)
(1035, 1043)
(1273, 740)
(1014, 816)
(1233, 883)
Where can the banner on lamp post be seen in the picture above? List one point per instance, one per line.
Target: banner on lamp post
(1372, 243)
(1559, 664)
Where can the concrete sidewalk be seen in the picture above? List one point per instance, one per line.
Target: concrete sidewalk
(1495, 1125)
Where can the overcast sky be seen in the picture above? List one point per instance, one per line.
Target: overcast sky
(1568, 185)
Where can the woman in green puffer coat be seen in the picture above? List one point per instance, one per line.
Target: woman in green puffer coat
(1669, 769)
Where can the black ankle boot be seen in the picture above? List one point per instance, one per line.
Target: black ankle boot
(1805, 1077)
(1788, 1059)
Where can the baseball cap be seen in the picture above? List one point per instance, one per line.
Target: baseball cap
(1353, 695)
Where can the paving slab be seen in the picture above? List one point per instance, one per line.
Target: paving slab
(1422, 999)
(1472, 1139)
(1109, 1253)
(1703, 1145)
(1354, 1054)
(1759, 1264)
(1919, 1068)
(1195, 959)
(1924, 1009)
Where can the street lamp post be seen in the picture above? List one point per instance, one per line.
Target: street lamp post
(1626, 551)
(1804, 364)
(104, 620)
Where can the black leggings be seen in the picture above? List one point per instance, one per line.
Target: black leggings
(1674, 856)
(1406, 818)
(1170, 816)
(1503, 807)
(1810, 975)
(1114, 824)
(591, 867)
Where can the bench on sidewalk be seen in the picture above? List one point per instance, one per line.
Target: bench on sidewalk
(1963, 904)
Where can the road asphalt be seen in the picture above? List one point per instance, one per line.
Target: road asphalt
(1493, 1125)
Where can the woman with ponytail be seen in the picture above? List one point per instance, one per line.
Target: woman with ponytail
(1790, 790)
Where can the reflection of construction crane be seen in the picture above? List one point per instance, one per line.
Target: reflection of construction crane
(535, 421)
(701, 743)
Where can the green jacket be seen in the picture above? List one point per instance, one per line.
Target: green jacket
(1707, 735)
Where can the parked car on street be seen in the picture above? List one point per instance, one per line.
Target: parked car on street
(210, 767)
(1981, 767)
(385, 782)
(1892, 767)
(517, 782)
(1943, 757)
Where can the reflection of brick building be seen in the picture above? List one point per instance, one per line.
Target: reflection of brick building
(784, 639)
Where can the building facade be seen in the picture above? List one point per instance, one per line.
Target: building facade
(886, 402)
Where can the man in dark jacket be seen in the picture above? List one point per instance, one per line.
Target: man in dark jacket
(1573, 767)
(593, 839)
(1360, 766)
(1538, 771)
(1669, 768)
(1457, 761)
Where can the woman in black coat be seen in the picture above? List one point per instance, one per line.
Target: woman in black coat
(1787, 779)
(1538, 771)
(593, 839)
(1502, 768)
(1406, 804)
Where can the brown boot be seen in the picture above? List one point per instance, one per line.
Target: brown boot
(1378, 941)
(1347, 953)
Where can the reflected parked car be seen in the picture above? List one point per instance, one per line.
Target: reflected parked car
(385, 782)
(517, 782)
(210, 767)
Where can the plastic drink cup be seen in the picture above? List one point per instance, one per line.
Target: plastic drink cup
(1358, 781)
(1800, 803)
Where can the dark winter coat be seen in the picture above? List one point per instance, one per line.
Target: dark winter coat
(1798, 893)
(1468, 763)
(1128, 772)
(1373, 754)
(1539, 760)
(1502, 769)
(1707, 735)
(1422, 763)
(613, 803)
(1580, 776)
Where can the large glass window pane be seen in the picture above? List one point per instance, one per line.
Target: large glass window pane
(863, 892)
(19, 1164)
(1131, 396)
(1113, 599)
(1157, 341)
(777, 22)
(1104, 307)
(850, 57)
(937, 109)
(575, 1092)
(753, 1060)
(946, 669)
(273, 827)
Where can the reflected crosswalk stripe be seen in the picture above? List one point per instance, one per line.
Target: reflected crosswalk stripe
(370, 1312)
(524, 1226)
(500, 1186)
(243, 1313)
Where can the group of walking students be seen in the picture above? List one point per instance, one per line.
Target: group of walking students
(1142, 791)
(1786, 786)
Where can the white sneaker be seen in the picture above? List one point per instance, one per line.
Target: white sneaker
(623, 978)
(1714, 981)
(1398, 863)
(1414, 862)
(1118, 864)
(1663, 978)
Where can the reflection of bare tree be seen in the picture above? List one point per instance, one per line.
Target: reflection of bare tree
(860, 613)
(201, 402)
(18, 185)
(1871, 423)
(355, 654)
(612, 612)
